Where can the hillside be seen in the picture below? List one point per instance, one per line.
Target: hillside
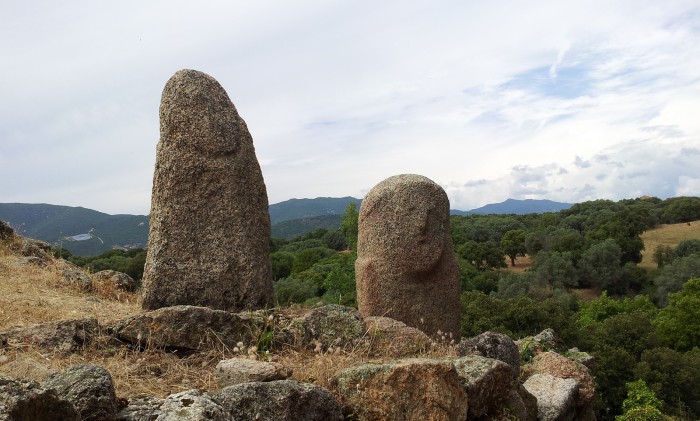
(86, 232)
(666, 235)
(80, 230)
(305, 208)
(517, 207)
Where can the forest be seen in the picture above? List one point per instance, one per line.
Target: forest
(576, 271)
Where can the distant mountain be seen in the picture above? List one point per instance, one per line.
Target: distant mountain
(297, 227)
(518, 207)
(87, 232)
(82, 231)
(306, 208)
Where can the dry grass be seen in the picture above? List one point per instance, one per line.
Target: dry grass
(666, 235)
(31, 294)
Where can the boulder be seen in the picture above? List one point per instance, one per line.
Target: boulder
(209, 232)
(189, 327)
(24, 400)
(406, 268)
(63, 335)
(559, 366)
(242, 370)
(279, 400)
(191, 405)
(6, 231)
(392, 337)
(493, 345)
(141, 409)
(521, 404)
(410, 389)
(487, 381)
(74, 276)
(89, 388)
(332, 326)
(555, 397)
(114, 280)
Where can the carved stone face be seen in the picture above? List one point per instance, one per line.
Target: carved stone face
(404, 221)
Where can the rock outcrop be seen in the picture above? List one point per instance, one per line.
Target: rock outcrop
(23, 400)
(406, 268)
(112, 279)
(556, 397)
(62, 335)
(189, 327)
(89, 388)
(492, 345)
(209, 232)
(411, 389)
(392, 337)
(331, 326)
(487, 382)
(279, 400)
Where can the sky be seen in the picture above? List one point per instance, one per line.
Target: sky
(561, 100)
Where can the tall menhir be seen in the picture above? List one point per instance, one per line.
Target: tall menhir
(208, 243)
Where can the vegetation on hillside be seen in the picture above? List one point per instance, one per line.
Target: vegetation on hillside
(642, 327)
(642, 323)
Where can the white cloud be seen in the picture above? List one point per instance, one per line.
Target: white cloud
(527, 99)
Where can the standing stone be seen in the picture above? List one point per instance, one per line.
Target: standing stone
(406, 268)
(208, 243)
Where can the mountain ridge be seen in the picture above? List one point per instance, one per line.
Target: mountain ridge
(86, 231)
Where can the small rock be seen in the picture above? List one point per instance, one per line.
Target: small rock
(105, 279)
(191, 405)
(279, 400)
(241, 370)
(89, 388)
(6, 231)
(394, 338)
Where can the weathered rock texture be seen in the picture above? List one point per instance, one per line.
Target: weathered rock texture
(89, 388)
(209, 232)
(493, 345)
(191, 405)
(332, 325)
(411, 389)
(392, 337)
(556, 397)
(487, 381)
(241, 370)
(23, 400)
(190, 327)
(62, 335)
(112, 279)
(279, 400)
(405, 266)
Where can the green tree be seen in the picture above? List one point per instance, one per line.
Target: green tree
(673, 376)
(672, 277)
(600, 266)
(513, 244)
(282, 262)
(349, 226)
(483, 256)
(679, 322)
(687, 248)
(308, 257)
(641, 404)
(555, 269)
(663, 255)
